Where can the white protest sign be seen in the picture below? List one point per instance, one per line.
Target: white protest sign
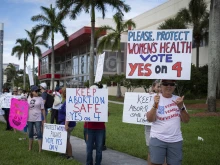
(159, 54)
(136, 106)
(30, 75)
(100, 65)
(6, 103)
(85, 104)
(54, 138)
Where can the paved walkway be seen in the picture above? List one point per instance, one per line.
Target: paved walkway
(109, 157)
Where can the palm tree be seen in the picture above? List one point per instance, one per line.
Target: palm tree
(214, 51)
(11, 73)
(36, 41)
(113, 40)
(74, 7)
(196, 16)
(172, 23)
(51, 22)
(23, 47)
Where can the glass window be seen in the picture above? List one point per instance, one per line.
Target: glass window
(68, 56)
(68, 68)
(95, 62)
(75, 70)
(82, 63)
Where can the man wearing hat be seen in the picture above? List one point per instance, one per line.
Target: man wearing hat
(166, 115)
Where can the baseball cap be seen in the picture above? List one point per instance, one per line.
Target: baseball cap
(43, 85)
(34, 88)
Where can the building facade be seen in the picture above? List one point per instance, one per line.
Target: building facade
(72, 63)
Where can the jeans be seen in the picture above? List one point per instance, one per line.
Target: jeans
(38, 125)
(6, 116)
(94, 136)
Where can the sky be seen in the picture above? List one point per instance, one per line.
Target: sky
(16, 16)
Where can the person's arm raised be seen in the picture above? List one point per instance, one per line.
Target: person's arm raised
(151, 115)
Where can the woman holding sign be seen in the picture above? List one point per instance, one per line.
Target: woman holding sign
(69, 125)
(166, 136)
(36, 107)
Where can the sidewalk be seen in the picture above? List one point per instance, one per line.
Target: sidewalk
(109, 157)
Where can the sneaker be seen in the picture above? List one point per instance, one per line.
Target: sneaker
(35, 138)
(62, 155)
(70, 157)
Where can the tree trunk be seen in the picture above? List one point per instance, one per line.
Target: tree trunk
(119, 72)
(24, 73)
(34, 68)
(52, 63)
(92, 45)
(197, 53)
(213, 53)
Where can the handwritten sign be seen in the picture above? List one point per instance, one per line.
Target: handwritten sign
(99, 70)
(136, 106)
(159, 54)
(18, 114)
(7, 100)
(54, 138)
(30, 75)
(85, 104)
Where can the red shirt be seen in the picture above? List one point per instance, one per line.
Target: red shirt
(94, 125)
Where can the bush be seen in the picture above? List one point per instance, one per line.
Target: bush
(188, 95)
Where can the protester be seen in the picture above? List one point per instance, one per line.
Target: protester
(56, 105)
(6, 113)
(36, 107)
(94, 133)
(48, 99)
(69, 125)
(165, 136)
(155, 88)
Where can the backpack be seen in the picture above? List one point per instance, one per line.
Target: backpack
(49, 101)
(57, 100)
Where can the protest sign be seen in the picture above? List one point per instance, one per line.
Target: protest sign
(159, 54)
(87, 104)
(30, 75)
(7, 100)
(136, 106)
(18, 114)
(100, 65)
(54, 138)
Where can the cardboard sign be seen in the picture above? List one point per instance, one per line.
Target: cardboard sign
(30, 75)
(99, 70)
(18, 114)
(136, 106)
(85, 104)
(7, 100)
(54, 138)
(159, 54)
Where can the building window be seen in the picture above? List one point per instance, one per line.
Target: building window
(82, 64)
(44, 65)
(75, 70)
(68, 68)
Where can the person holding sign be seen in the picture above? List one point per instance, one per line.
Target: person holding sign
(36, 107)
(94, 134)
(69, 125)
(6, 112)
(166, 136)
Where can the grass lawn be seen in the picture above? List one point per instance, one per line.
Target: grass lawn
(14, 151)
(129, 138)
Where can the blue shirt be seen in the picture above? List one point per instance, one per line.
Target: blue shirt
(62, 116)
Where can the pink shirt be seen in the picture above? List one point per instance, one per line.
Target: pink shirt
(36, 104)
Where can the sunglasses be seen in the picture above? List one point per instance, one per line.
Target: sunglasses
(166, 84)
(15, 91)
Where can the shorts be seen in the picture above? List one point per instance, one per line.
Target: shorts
(147, 134)
(159, 150)
(70, 129)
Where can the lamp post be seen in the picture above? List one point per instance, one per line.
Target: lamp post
(1, 54)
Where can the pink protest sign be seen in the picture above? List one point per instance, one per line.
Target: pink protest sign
(18, 114)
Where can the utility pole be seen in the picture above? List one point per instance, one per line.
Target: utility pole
(1, 55)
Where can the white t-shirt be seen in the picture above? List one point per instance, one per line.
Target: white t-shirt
(57, 107)
(167, 125)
